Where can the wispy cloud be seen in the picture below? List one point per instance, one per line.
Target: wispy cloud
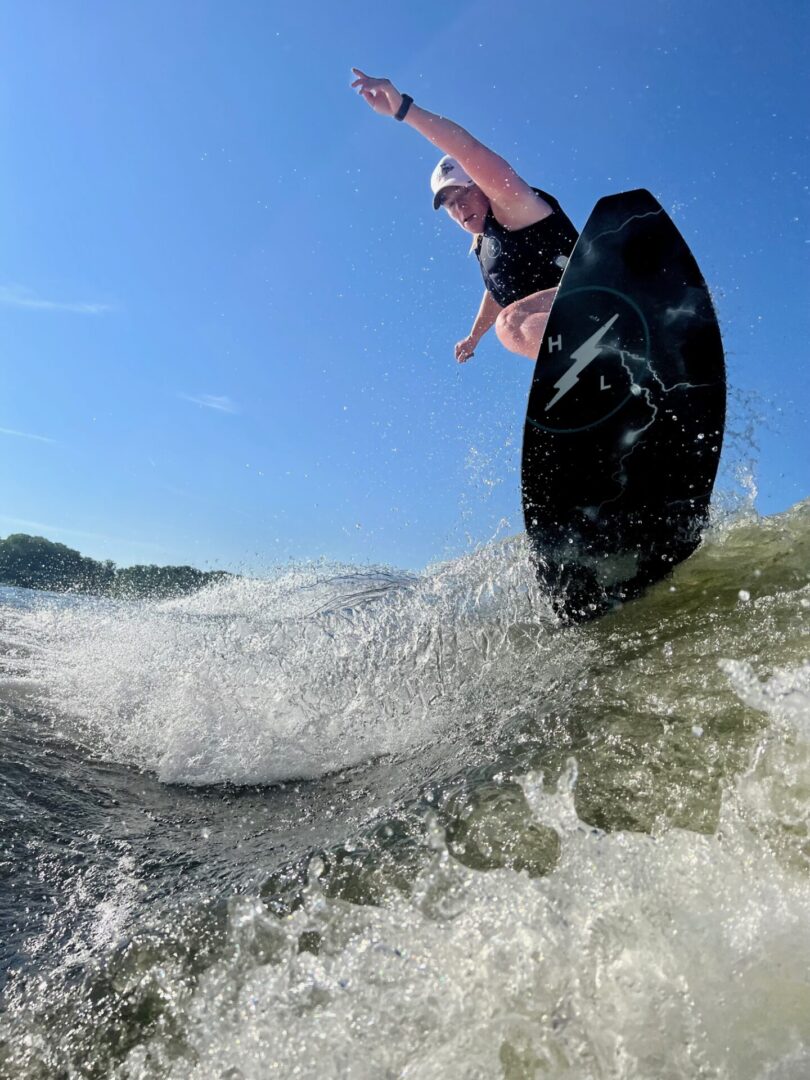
(212, 401)
(16, 296)
(25, 435)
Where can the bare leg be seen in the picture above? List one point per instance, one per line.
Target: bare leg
(521, 325)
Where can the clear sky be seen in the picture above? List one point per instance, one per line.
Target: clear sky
(228, 310)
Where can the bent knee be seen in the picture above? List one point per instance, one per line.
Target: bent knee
(503, 329)
(520, 331)
(508, 321)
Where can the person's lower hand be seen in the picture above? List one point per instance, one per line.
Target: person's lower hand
(465, 349)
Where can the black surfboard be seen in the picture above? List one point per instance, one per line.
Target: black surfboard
(626, 411)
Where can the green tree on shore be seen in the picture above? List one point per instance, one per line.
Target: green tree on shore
(32, 562)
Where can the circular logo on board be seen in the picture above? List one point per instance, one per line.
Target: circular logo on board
(493, 247)
(593, 356)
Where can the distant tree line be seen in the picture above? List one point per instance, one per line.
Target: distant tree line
(32, 562)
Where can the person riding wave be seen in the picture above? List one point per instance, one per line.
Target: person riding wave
(522, 237)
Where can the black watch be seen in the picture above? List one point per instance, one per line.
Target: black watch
(401, 112)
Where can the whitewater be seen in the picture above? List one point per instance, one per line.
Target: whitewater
(349, 822)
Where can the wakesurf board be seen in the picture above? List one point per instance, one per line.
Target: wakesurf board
(626, 412)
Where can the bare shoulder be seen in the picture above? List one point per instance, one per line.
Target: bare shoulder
(524, 208)
(514, 203)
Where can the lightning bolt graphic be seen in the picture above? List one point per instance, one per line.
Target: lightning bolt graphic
(588, 351)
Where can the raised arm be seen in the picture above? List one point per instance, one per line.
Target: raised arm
(492, 173)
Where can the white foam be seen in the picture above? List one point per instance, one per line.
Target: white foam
(669, 957)
(313, 671)
(771, 796)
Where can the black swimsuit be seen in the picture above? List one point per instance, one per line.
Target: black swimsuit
(516, 263)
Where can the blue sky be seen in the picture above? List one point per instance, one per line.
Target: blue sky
(228, 311)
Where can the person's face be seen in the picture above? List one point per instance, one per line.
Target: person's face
(467, 206)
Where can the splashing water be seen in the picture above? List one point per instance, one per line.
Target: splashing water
(317, 670)
(521, 851)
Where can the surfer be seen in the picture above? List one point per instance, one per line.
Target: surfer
(521, 236)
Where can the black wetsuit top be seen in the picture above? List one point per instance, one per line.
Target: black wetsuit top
(515, 263)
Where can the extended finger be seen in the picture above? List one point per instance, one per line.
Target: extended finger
(368, 78)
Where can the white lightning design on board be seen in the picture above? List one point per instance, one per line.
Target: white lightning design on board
(587, 352)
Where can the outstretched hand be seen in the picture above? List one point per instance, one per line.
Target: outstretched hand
(381, 94)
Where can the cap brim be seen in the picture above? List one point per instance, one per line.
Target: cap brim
(438, 197)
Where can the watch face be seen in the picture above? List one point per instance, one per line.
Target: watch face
(593, 359)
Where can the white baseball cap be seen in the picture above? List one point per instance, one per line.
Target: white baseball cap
(448, 173)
